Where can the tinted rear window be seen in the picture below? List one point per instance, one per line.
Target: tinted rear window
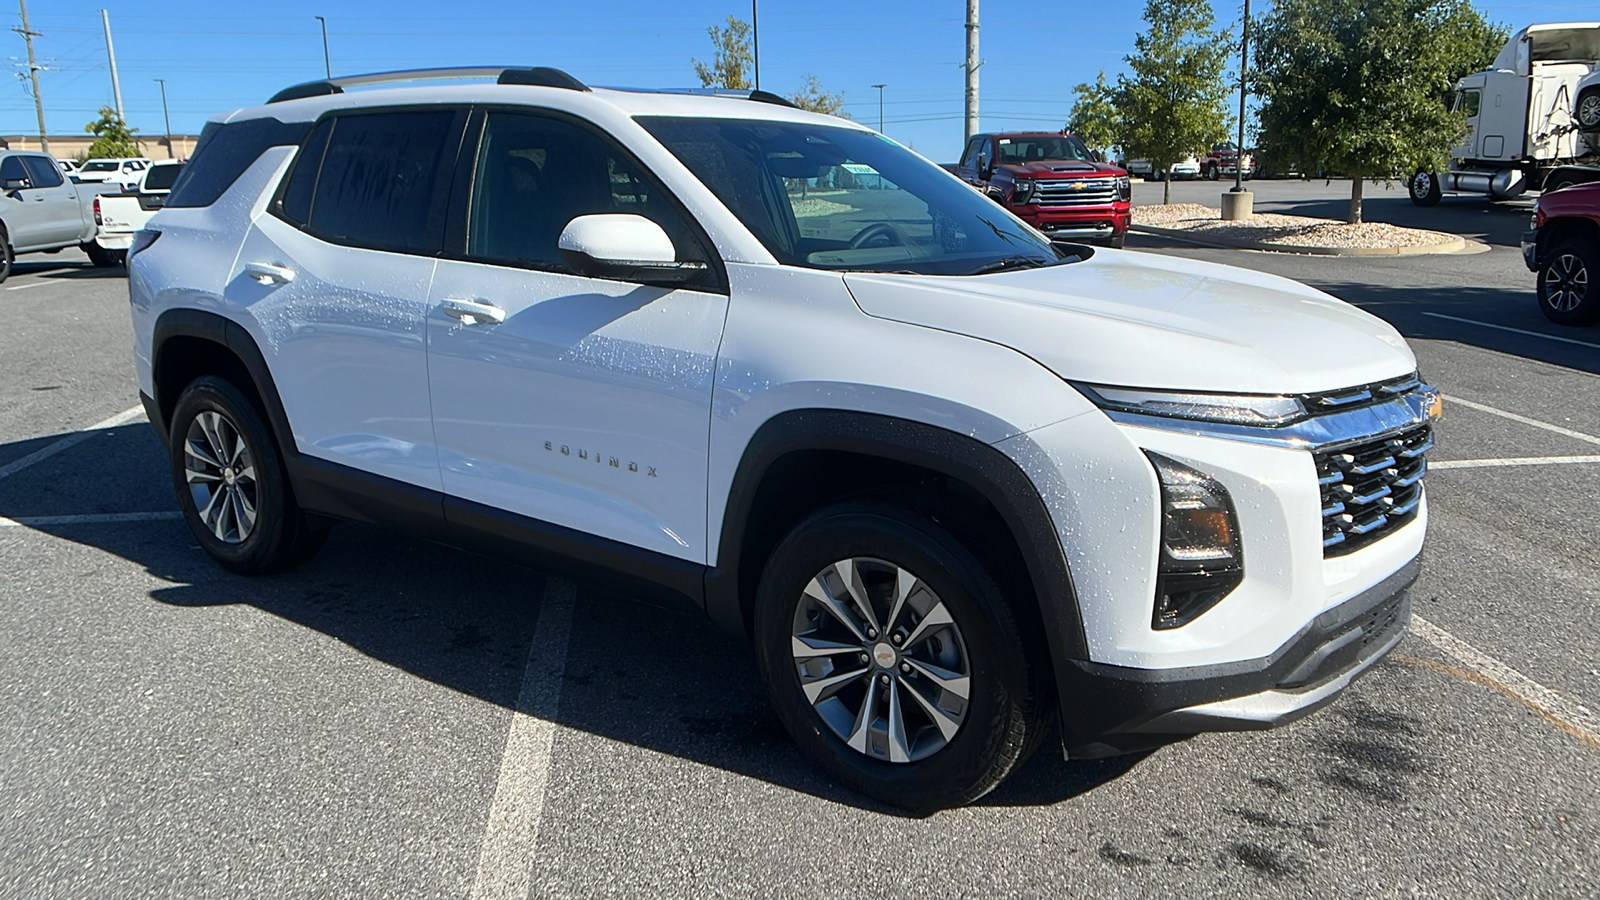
(224, 152)
(100, 167)
(161, 178)
(376, 187)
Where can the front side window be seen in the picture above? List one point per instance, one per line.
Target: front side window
(969, 160)
(1035, 149)
(1469, 103)
(11, 169)
(535, 174)
(42, 172)
(827, 197)
(376, 185)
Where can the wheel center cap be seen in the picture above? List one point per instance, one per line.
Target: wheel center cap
(883, 655)
(227, 475)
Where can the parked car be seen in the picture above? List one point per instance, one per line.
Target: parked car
(1051, 181)
(42, 212)
(953, 480)
(1223, 162)
(1185, 169)
(115, 171)
(68, 166)
(1564, 249)
(118, 217)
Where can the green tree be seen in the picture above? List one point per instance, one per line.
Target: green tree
(112, 136)
(1094, 117)
(1175, 101)
(733, 59)
(815, 98)
(1355, 86)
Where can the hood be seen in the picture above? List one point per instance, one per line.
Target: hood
(1139, 320)
(1047, 169)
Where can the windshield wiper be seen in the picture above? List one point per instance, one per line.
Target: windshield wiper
(1008, 262)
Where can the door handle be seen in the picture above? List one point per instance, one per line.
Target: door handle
(267, 273)
(471, 312)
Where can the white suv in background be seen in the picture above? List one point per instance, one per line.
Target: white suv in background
(125, 172)
(953, 480)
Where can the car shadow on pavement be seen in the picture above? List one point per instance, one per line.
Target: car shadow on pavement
(656, 678)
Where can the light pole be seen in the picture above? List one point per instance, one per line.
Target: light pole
(880, 88)
(1244, 65)
(171, 153)
(326, 65)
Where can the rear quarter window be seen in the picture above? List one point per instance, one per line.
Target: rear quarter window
(224, 152)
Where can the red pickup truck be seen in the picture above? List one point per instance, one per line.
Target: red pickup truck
(1051, 181)
(1564, 249)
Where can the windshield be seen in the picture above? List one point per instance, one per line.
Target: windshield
(1042, 147)
(841, 198)
(108, 166)
(161, 178)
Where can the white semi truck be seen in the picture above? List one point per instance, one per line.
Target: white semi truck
(1523, 127)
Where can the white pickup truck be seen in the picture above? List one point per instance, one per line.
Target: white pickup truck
(118, 217)
(42, 212)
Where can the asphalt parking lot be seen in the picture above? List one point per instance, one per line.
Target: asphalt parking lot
(397, 719)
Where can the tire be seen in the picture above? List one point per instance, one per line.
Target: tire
(1587, 110)
(1564, 181)
(100, 256)
(217, 496)
(7, 255)
(1212, 174)
(922, 766)
(1425, 189)
(1117, 240)
(1567, 291)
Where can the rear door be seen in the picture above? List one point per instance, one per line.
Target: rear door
(589, 404)
(336, 275)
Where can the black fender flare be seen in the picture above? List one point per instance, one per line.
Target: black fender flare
(219, 329)
(972, 462)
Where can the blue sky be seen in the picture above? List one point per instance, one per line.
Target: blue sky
(218, 56)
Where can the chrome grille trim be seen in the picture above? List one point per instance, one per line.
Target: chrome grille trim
(1371, 488)
(1075, 192)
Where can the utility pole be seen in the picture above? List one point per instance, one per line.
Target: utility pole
(171, 154)
(111, 55)
(880, 88)
(971, 66)
(28, 35)
(327, 65)
(1244, 66)
(755, 39)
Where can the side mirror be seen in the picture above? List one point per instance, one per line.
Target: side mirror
(15, 184)
(984, 169)
(624, 247)
(1096, 156)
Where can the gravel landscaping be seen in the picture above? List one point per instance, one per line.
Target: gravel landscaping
(1289, 231)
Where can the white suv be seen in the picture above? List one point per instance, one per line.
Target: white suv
(952, 479)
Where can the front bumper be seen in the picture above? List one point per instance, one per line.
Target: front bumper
(1530, 250)
(1116, 709)
(1094, 224)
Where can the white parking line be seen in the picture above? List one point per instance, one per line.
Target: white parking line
(92, 519)
(1537, 334)
(505, 858)
(71, 440)
(1510, 461)
(1567, 714)
(34, 284)
(1556, 429)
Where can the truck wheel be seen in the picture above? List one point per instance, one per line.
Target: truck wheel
(100, 256)
(1567, 294)
(231, 484)
(7, 256)
(1425, 189)
(893, 659)
(1212, 173)
(1588, 110)
(1117, 240)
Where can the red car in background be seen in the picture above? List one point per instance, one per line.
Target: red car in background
(1051, 181)
(1564, 249)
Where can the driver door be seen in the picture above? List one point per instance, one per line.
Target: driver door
(574, 401)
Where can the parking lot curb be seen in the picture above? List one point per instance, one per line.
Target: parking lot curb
(1456, 245)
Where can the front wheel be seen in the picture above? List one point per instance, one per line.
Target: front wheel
(231, 483)
(1567, 295)
(893, 659)
(1212, 173)
(1425, 189)
(7, 256)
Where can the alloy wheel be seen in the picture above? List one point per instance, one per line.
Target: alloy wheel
(1566, 283)
(1589, 111)
(220, 472)
(881, 660)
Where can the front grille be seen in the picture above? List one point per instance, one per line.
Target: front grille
(1370, 489)
(1075, 192)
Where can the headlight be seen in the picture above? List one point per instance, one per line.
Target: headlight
(1021, 191)
(1229, 409)
(1124, 188)
(1201, 559)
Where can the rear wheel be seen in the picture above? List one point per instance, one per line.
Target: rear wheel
(892, 658)
(1589, 110)
(100, 256)
(1567, 294)
(231, 484)
(1425, 189)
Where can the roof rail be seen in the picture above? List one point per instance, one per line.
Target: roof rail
(540, 75)
(769, 97)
